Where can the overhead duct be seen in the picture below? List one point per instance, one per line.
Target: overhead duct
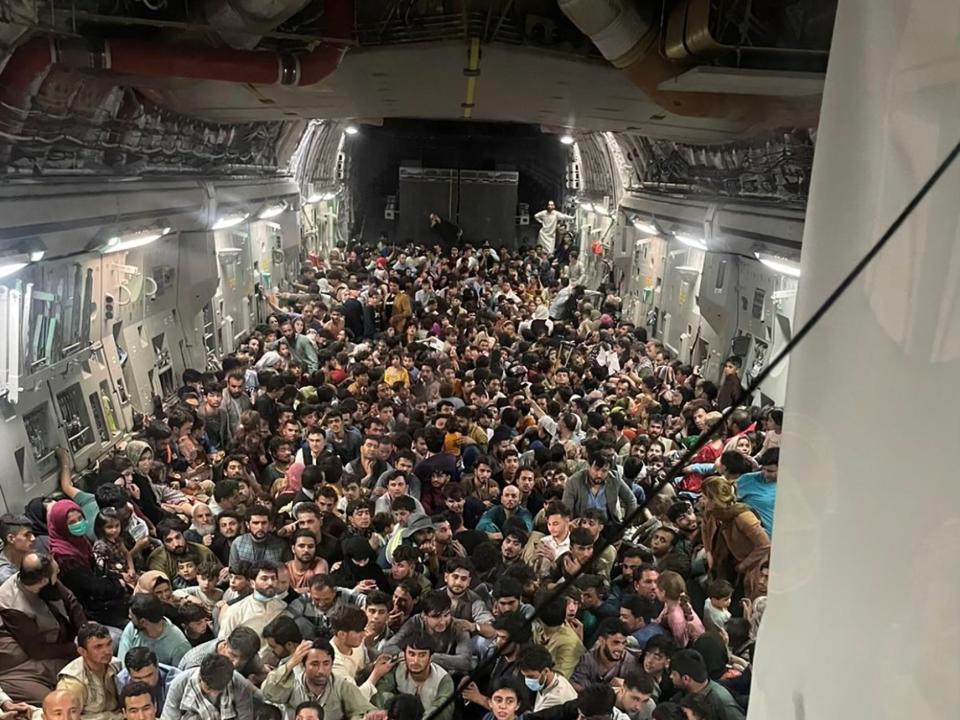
(630, 43)
(29, 65)
(241, 23)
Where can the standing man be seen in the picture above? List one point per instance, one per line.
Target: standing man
(548, 220)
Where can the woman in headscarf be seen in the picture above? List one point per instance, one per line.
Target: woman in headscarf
(36, 513)
(103, 597)
(713, 649)
(737, 546)
(360, 566)
(156, 583)
(135, 468)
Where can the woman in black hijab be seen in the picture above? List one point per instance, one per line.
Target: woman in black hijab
(360, 566)
(36, 513)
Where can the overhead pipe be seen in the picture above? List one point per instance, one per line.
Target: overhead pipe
(631, 44)
(30, 63)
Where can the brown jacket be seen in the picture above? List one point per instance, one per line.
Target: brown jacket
(738, 546)
(31, 629)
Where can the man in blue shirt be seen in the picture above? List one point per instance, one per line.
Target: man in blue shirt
(758, 490)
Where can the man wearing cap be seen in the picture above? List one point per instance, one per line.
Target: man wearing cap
(18, 540)
(688, 672)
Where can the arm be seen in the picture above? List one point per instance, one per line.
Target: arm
(750, 526)
(628, 499)
(171, 706)
(581, 676)
(66, 482)
(396, 644)
(355, 705)
(442, 700)
(568, 656)
(461, 661)
(24, 630)
(540, 216)
(278, 686)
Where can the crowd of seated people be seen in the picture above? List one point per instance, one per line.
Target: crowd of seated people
(444, 485)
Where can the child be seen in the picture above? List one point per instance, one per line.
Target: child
(716, 612)
(205, 593)
(186, 572)
(195, 623)
(351, 491)
(678, 616)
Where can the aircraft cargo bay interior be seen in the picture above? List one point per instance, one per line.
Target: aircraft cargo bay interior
(434, 359)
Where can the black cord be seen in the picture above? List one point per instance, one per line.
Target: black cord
(717, 427)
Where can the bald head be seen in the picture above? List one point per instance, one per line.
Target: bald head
(61, 705)
(36, 570)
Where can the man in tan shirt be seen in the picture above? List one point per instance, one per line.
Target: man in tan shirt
(92, 677)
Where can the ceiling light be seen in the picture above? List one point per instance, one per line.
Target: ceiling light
(645, 227)
(229, 221)
(321, 196)
(8, 269)
(37, 255)
(567, 139)
(693, 242)
(131, 240)
(780, 265)
(351, 129)
(271, 211)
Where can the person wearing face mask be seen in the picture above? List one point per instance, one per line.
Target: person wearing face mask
(536, 666)
(39, 618)
(257, 609)
(104, 597)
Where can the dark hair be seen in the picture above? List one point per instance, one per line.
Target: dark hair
(258, 511)
(134, 688)
(324, 645)
(554, 613)
(109, 495)
(668, 711)
(224, 489)
(735, 462)
(641, 607)
(216, 671)
(147, 607)
(244, 641)
(596, 700)
(436, 601)
(677, 509)
(309, 705)
(42, 571)
(378, 597)
(719, 589)
(208, 569)
(770, 456)
(612, 626)
(165, 527)
(535, 657)
(516, 626)
(460, 563)
(419, 641)
(735, 361)
(405, 707)
(190, 612)
(91, 630)
(403, 503)
(139, 658)
(507, 682)
(581, 536)
(557, 508)
(689, 663)
(348, 618)
(639, 681)
(507, 586)
(267, 566)
(283, 629)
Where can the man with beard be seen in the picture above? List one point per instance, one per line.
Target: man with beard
(228, 530)
(175, 546)
(470, 613)
(305, 563)
(368, 467)
(40, 619)
(511, 549)
(236, 401)
(418, 675)
(150, 629)
(307, 675)
(609, 658)
(494, 520)
(622, 585)
(258, 608)
(312, 610)
(259, 544)
(435, 622)
(303, 348)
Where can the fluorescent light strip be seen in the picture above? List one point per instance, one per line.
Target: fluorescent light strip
(272, 211)
(11, 268)
(567, 139)
(229, 221)
(693, 242)
(133, 240)
(781, 266)
(646, 227)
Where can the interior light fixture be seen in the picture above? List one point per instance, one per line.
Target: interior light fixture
(135, 239)
(271, 211)
(692, 241)
(645, 227)
(567, 139)
(321, 196)
(587, 206)
(10, 268)
(229, 221)
(351, 129)
(37, 255)
(601, 210)
(780, 265)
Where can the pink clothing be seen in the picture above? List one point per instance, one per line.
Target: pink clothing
(67, 548)
(684, 633)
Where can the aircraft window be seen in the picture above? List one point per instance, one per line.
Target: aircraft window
(758, 297)
(721, 274)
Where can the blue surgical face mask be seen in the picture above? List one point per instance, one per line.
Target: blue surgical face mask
(533, 684)
(260, 597)
(79, 528)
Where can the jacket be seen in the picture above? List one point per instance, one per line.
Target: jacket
(341, 699)
(241, 691)
(167, 675)
(453, 650)
(98, 697)
(435, 693)
(738, 546)
(621, 502)
(565, 647)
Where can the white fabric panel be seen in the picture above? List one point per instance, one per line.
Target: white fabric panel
(863, 616)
